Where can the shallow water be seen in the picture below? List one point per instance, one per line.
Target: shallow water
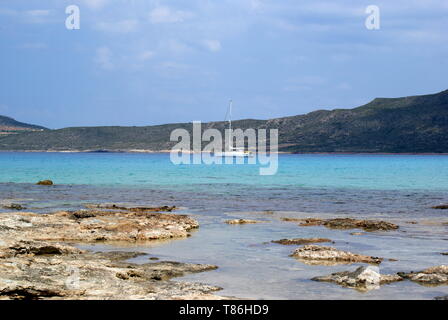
(399, 189)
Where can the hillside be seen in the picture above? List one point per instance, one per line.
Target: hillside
(11, 126)
(397, 125)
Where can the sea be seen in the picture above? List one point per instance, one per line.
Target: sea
(398, 188)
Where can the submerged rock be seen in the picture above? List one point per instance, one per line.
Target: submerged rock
(291, 219)
(432, 276)
(315, 255)
(14, 206)
(45, 183)
(349, 223)
(243, 221)
(300, 241)
(132, 209)
(363, 278)
(441, 207)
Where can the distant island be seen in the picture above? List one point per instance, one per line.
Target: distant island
(416, 124)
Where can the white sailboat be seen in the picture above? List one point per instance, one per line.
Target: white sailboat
(232, 151)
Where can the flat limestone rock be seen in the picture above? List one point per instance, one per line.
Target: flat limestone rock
(432, 276)
(349, 223)
(321, 255)
(96, 225)
(42, 270)
(300, 241)
(35, 264)
(362, 279)
(243, 221)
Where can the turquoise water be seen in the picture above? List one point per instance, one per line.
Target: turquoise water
(379, 172)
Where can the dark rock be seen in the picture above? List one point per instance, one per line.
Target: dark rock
(45, 183)
(14, 206)
(132, 209)
(82, 214)
(441, 207)
(300, 241)
(349, 223)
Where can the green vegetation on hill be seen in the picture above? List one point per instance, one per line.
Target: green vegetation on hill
(9, 125)
(399, 125)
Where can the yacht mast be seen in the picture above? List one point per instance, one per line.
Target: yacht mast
(230, 115)
(230, 126)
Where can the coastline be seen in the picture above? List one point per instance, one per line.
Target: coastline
(143, 151)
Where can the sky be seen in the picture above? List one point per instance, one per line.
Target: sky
(145, 62)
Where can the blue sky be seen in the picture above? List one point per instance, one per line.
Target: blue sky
(142, 62)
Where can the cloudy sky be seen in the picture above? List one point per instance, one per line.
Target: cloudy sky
(141, 62)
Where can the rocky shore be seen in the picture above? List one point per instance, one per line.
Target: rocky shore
(37, 260)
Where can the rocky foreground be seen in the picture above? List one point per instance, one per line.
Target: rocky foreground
(37, 262)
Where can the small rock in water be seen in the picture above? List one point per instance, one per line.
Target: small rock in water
(433, 276)
(441, 207)
(300, 241)
(363, 278)
(356, 233)
(291, 219)
(243, 221)
(441, 298)
(444, 253)
(45, 183)
(14, 206)
(315, 255)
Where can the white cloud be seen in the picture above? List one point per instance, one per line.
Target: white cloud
(304, 83)
(212, 45)
(341, 57)
(344, 86)
(123, 26)
(104, 58)
(37, 13)
(146, 55)
(95, 4)
(176, 47)
(167, 15)
(33, 45)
